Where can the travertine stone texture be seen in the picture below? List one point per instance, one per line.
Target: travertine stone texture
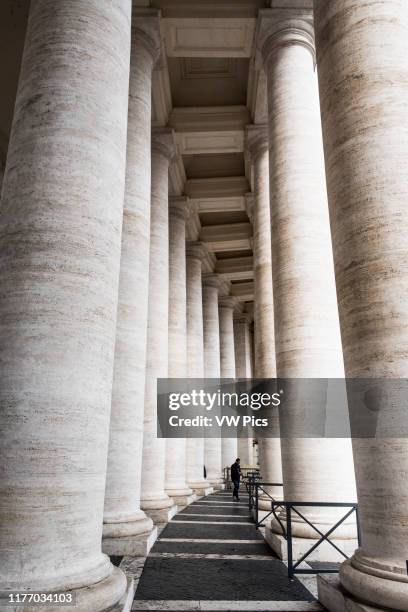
(176, 485)
(212, 369)
(362, 50)
(307, 336)
(195, 254)
(242, 345)
(229, 446)
(243, 369)
(264, 335)
(154, 499)
(122, 516)
(60, 234)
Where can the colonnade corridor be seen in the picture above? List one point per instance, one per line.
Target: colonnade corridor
(210, 557)
(203, 281)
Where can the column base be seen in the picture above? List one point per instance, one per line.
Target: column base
(184, 500)
(132, 546)
(324, 552)
(217, 485)
(125, 604)
(334, 598)
(162, 515)
(204, 491)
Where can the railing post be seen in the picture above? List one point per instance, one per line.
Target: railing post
(358, 526)
(289, 541)
(256, 505)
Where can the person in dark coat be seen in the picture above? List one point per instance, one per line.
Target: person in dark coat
(236, 477)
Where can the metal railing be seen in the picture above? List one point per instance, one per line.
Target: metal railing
(249, 481)
(245, 471)
(289, 507)
(257, 487)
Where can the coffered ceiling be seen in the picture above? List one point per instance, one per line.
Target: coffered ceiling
(207, 88)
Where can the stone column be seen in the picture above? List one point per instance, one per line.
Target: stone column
(211, 326)
(362, 48)
(154, 499)
(126, 529)
(60, 238)
(269, 447)
(176, 471)
(243, 369)
(227, 362)
(196, 253)
(307, 336)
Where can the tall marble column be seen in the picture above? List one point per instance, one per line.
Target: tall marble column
(229, 446)
(126, 529)
(269, 447)
(176, 469)
(362, 48)
(60, 239)
(195, 253)
(307, 334)
(154, 500)
(212, 369)
(243, 369)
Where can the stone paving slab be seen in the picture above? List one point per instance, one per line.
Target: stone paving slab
(212, 518)
(199, 531)
(218, 579)
(206, 547)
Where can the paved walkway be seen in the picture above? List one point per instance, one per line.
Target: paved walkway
(210, 557)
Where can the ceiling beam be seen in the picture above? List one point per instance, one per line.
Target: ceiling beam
(243, 292)
(231, 237)
(236, 268)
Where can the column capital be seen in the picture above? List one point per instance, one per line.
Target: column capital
(256, 140)
(243, 317)
(281, 27)
(196, 250)
(146, 30)
(178, 207)
(212, 280)
(227, 301)
(163, 142)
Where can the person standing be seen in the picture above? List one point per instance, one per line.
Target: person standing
(236, 477)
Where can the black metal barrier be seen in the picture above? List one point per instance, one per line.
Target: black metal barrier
(290, 507)
(260, 486)
(246, 472)
(250, 480)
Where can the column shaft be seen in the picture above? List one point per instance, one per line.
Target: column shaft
(243, 369)
(127, 530)
(270, 462)
(195, 359)
(60, 229)
(154, 499)
(212, 447)
(362, 50)
(307, 336)
(229, 448)
(176, 474)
